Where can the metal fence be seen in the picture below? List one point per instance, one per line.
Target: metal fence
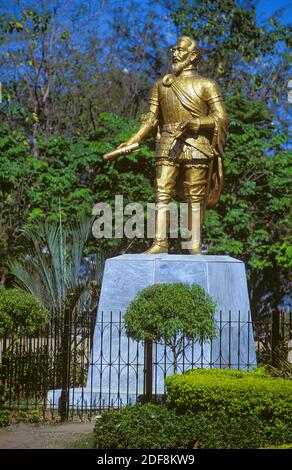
(83, 366)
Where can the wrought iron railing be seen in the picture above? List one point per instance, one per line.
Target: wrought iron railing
(101, 368)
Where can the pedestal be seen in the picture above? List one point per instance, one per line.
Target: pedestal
(115, 376)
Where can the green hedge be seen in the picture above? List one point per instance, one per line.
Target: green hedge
(141, 427)
(220, 409)
(8, 417)
(159, 427)
(237, 393)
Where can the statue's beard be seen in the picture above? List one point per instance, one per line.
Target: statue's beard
(178, 67)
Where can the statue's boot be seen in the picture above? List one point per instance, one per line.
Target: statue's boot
(160, 244)
(194, 225)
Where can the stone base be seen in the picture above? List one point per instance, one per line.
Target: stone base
(117, 364)
(88, 399)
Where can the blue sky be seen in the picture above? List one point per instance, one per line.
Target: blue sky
(266, 8)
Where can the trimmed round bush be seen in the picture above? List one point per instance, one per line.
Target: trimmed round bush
(172, 313)
(20, 313)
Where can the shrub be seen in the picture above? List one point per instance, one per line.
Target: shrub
(171, 313)
(146, 426)
(239, 394)
(27, 373)
(20, 313)
(16, 416)
(35, 416)
(5, 418)
(22, 416)
(159, 427)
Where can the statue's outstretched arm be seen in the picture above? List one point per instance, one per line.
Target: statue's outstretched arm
(149, 121)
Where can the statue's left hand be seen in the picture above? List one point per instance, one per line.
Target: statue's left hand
(189, 125)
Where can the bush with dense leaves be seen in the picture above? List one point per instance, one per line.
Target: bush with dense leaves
(162, 311)
(5, 418)
(141, 427)
(20, 313)
(238, 393)
(159, 427)
(173, 313)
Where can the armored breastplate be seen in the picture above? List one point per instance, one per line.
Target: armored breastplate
(172, 109)
(173, 112)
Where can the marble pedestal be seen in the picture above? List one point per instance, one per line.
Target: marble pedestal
(115, 375)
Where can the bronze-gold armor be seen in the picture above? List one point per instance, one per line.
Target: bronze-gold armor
(188, 113)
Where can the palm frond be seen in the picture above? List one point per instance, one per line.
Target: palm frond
(51, 269)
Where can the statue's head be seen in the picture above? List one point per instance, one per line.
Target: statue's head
(185, 54)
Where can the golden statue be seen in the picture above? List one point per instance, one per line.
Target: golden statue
(188, 112)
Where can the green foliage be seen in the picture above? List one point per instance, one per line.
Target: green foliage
(8, 417)
(141, 427)
(171, 313)
(22, 416)
(17, 173)
(283, 446)
(237, 393)
(250, 222)
(28, 372)
(5, 418)
(51, 268)
(69, 178)
(20, 313)
(35, 416)
(237, 47)
(158, 427)
(254, 212)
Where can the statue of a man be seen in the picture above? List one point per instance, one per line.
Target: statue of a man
(188, 112)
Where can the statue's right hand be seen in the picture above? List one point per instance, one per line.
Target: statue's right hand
(123, 149)
(129, 142)
(123, 144)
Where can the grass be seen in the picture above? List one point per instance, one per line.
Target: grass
(84, 442)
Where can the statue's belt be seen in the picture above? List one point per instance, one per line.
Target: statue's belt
(170, 127)
(200, 142)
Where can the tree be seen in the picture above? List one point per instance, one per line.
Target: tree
(173, 313)
(245, 55)
(63, 64)
(51, 270)
(18, 170)
(252, 219)
(70, 177)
